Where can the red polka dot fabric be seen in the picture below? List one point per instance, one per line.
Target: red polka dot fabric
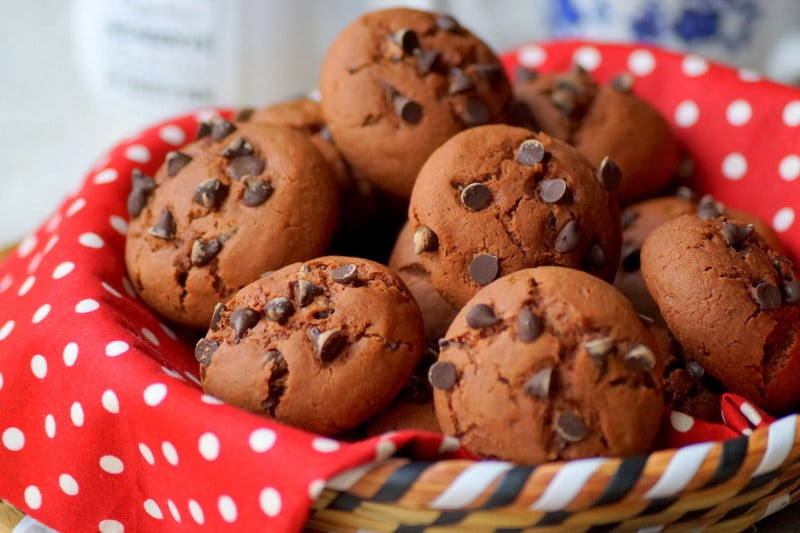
(103, 424)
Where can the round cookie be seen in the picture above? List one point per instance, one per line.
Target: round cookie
(320, 345)
(242, 199)
(546, 364)
(397, 83)
(495, 199)
(604, 120)
(731, 302)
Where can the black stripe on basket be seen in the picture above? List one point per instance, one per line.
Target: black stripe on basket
(624, 479)
(397, 484)
(758, 482)
(657, 505)
(509, 487)
(553, 518)
(345, 502)
(733, 455)
(693, 515)
(736, 512)
(410, 529)
(603, 528)
(449, 518)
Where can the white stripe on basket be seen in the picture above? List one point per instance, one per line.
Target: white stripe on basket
(776, 504)
(566, 484)
(470, 484)
(348, 478)
(679, 472)
(780, 440)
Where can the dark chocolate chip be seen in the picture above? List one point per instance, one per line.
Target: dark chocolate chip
(245, 165)
(426, 59)
(564, 101)
(476, 196)
(529, 326)
(327, 344)
(538, 386)
(483, 268)
(345, 273)
(685, 193)
(622, 82)
(523, 75)
(408, 110)
(216, 316)
(631, 257)
(571, 427)
(734, 234)
(459, 81)
(598, 348)
(243, 319)
(766, 295)
(570, 85)
(244, 114)
(569, 237)
(708, 208)
(203, 129)
(256, 192)
(165, 227)
(695, 371)
(442, 375)
(629, 216)
(481, 316)
(325, 313)
(476, 112)
(640, 357)
(279, 309)
(141, 187)
(425, 240)
(204, 251)
(447, 22)
(305, 292)
(791, 292)
(278, 370)
(552, 190)
(406, 39)
(221, 128)
(493, 73)
(530, 152)
(204, 349)
(326, 134)
(209, 193)
(176, 161)
(609, 174)
(443, 343)
(596, 257)
(236, 148)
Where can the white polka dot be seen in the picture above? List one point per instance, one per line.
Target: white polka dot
(154, 394)
(208, 446)
(315, 488)
(87, 306)
(107, 175)
(213, 400)
(50, 243)
(531, 56)
(6, 282)
(27, 245)
(75, 206)
(115, 348)
(5, 331)
(111, 464)
(269, 500)
(262, 440)
(791, 113)
(150, 336)
(168, 331)
(91, 240)
(641, 62)
(110, 401)
(110, 526)
(172, 373)
(206, 114)
(197, 512)
(325, 445)
(739, 113)
(39, 366)
(384, 449)
(53, 223)
(789, 168)
(147, 454)
(50, 426)
(449, 444)
(170, 453)
(173, 510)
(63, 269)
(68, 484)
(587, 57)
(172, 135)
(734, 166)
(26, 286)
(36, 260)
(137, 153)
(193, 378)
(750, 75)
(70, 353)
(694, 65)
(13, 439)
(227, 508)
(686, 114)
(119, 224)
(783, 219)
(680, 421)
(33, 497)
(111, 290)
(41, 313)
(128, 286)
(152, 508)
(76, 414)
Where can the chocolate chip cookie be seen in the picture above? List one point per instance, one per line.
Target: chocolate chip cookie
(495, 199)
(545, 364)
(320, 345)
(242, 199)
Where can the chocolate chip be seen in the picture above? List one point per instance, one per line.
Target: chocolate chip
(708, 208)
(408, 110)
(631, 257)
(529, 326)
(204, 251)
(483, 268)
(530, 152)
(524, 75)
(216, 316)
(734, 234)
(552, 190)
(244, 114)
(245, 165)
(305, 292)
(446, 22)
(442, 375)
(569, 237)
(538, 386)
(609, 174)
(685, 193)
(493, 73)
(622, 82)
(598, 348)
(327, 344)
(640, 357)
(481, 316)
(141, 187)
(564, 101)
(325, 313)
(766, 295)
(459, 81)
(204, 349)
(476, 112)
(326, 134)
(406, 39)
(425, 240)
(243, 319)
(221, 128)
(443, 343)
(165, 227)
(629, 216)
(596, 257)
(571, 427)
(236, 148)
(203, 129)
(476, 196)
(209, 193)
(176, 161)
(256, 192)
(345, 273)
(279, 309)
(791, 292)
(426, 59)
(276, 386)
(695, 371)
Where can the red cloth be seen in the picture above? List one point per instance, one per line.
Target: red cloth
(103, 425)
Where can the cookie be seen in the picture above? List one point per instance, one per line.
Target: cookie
(242, 199)
(397, 83)
(495, 199)
(732, 304)
(320, 345)
(546, 364)
(604, 120)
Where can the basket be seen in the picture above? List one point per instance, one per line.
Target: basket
(104, 425)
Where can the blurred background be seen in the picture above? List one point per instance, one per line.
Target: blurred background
(77, 76)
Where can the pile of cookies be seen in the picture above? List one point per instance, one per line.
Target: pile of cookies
(427, 244)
